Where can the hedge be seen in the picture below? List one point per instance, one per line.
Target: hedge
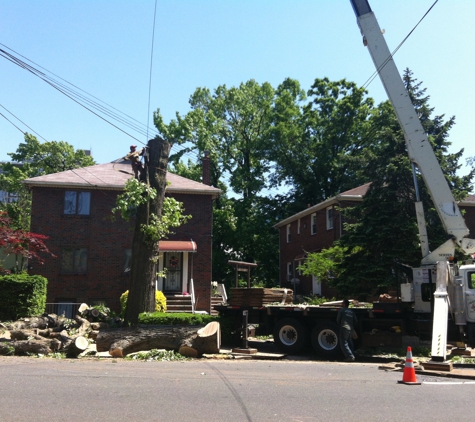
(22, 295)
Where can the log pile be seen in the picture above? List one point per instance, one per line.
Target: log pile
(259, 296)
(44, 335)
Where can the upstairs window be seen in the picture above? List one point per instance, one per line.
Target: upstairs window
(298, 226)
(313, 223)
(77, 203)
(288, 233)
(74, 261)
(289, 270)
(330, 218)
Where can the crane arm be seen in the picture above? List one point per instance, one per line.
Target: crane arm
(418, 146)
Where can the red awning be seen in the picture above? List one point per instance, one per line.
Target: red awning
(177, 246)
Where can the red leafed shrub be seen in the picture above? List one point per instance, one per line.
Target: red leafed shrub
(21, 243)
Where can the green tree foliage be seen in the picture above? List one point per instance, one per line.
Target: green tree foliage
(318, 147)
(234, 126)
(32, 159)
(381, 233)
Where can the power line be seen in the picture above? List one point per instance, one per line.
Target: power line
(377, 71)
(82, 99)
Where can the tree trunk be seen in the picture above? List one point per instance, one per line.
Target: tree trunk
(145, 253)
(189, 340)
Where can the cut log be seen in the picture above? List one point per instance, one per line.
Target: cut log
(120, 342)
(85, 325)
(24, 347)
(76, 347)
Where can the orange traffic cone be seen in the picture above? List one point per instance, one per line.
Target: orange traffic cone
(409, 376)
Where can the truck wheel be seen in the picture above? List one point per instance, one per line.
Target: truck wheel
(290, 335)
(325, 340)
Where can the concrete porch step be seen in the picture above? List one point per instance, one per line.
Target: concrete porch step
(179, 303)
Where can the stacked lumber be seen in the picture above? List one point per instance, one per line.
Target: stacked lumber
(259, 296)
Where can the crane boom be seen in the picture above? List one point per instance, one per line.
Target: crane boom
(418, 146)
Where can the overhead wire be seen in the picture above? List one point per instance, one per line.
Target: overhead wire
(378, 70)
(85, 100)
(19, 121)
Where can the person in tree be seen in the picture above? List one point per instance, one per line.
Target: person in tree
(134, 157)
(347, 320)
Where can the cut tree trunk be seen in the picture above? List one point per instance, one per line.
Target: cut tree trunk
(189, 340)
(76, 347)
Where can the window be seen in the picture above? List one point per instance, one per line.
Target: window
(471, 280)
(313, 223)
(298, 226)
(77, 203)
(288, 233)
(74, 261)
(66, 307)
(329, 218)
(7, 197)
(289, 270)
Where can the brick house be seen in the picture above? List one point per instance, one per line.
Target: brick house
(316, 228)
(93, 250)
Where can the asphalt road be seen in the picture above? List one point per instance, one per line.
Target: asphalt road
(34, 389)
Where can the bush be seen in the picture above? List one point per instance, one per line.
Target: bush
(160, 302)
(23, 295)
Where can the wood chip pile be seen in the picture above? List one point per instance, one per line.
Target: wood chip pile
(259, 296)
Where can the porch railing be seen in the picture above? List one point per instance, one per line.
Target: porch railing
(192, 292)
(68, 309)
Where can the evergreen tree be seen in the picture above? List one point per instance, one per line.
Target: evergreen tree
(381, 233)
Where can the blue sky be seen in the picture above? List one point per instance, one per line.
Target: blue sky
(104, 47)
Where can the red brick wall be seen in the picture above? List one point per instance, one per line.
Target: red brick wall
(306, 242)
(469, 216)
(106, 241)
(324, 238)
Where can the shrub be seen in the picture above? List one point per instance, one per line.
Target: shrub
(176, 318)
(160, 302)
(23, 295)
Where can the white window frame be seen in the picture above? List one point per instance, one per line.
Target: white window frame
(287, 233)
(289, 270)
(298, 226)
(330, 213)
(313, 223)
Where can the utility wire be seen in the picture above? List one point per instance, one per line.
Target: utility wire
(82, 99)
(377, 71)
(151, 66)
(19, 121)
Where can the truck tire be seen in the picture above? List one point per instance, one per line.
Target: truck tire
(325, 340)
(290, 335)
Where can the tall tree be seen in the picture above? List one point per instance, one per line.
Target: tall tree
(32, 159)
(233, 125)
(319, 146)
(143, 268)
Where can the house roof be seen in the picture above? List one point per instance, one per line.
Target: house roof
(355, 194)
(113, 176)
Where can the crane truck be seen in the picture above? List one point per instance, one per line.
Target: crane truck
(439, 301)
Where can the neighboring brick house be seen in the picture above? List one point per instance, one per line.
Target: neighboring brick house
(316, 228)
(93, 250)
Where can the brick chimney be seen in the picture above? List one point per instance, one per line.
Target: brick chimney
(206, 163)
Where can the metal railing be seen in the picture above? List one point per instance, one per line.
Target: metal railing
(192, 292)
(68, 309)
